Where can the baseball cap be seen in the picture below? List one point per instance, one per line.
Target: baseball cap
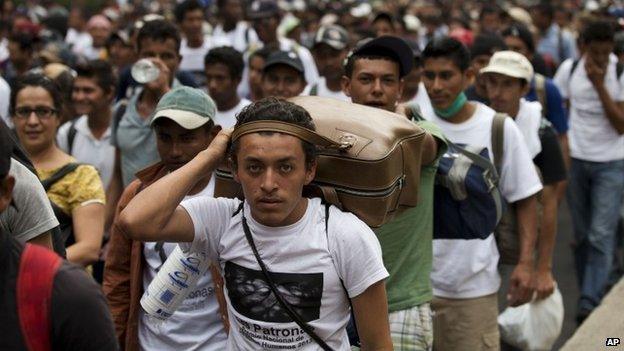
(189, 107)
(333, 35)
(288, 58)
(262, 9)
(391, 46)
(510, 63)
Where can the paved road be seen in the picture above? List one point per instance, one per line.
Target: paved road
(563, 267)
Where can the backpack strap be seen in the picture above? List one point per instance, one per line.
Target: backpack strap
(314, 90)
(619, 68)
(574, 65)
(498, 140)
(71, 136)
(540, 91)
(560, 45)
(119, 112)
(35, 281)
(58, 175)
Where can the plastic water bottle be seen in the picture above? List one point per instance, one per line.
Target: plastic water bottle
(144, 71)
(176, 279)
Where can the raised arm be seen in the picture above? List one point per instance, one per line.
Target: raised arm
(155, 215)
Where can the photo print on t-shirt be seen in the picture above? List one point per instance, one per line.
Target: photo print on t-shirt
(252, 297)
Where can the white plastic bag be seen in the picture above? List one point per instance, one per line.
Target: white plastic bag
(534, 326)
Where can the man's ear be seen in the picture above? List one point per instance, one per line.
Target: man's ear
(310, 172)
(214, 131)
(345, 83)
(525, 89)
(469, 77)
(6, 192)
(400, 92)
(233, 169)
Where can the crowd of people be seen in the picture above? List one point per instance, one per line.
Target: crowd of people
(114, 171)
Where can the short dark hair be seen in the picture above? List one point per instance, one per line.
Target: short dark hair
(276, 110)
(487, 44)
(598, 31)
(31, 79)
(521, 32)
(351, 59)
(545, 8)
(449, 48)
(158, 30)
(186, 6)
(24, 40)
(491, 9)
(227, 56)
(100, 70)
(263, 52)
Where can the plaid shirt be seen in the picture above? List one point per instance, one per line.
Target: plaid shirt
(123, 273)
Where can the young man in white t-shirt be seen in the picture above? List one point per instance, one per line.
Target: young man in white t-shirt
(596, 98)
(184, 127)
(232, 30)
(507, 79)
(93, 93)
(313, 252)
(331, 46)
(194, 46)
(464, 276)
(223, 67)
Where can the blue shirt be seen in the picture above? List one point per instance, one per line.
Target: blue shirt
(555, 111)
(549, 45)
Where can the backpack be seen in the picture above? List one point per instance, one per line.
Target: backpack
(368, 158)
(467, 201)
(66, 236)
(35, 282)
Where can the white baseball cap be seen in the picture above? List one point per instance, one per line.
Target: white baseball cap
(510, 63)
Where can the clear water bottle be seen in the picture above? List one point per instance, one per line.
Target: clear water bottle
(176, 279)
(145, 71)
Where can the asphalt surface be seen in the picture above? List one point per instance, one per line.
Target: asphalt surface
(563, 271)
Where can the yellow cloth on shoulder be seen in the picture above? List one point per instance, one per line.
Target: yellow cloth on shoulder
(78, 188)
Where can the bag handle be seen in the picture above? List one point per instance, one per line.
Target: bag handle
(291, 129)
(289, 310)
(58, 175)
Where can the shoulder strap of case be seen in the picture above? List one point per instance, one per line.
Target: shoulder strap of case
(35, 281)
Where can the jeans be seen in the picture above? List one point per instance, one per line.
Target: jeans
(595, 198)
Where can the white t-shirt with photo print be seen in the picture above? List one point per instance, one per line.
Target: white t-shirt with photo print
(306, 262)
(196, 324)
(591, 135)
(465, 269)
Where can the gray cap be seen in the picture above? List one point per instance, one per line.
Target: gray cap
(288, 58)
(189, 107)
(333, 35)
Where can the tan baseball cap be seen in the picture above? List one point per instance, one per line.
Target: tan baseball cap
(510, 63)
